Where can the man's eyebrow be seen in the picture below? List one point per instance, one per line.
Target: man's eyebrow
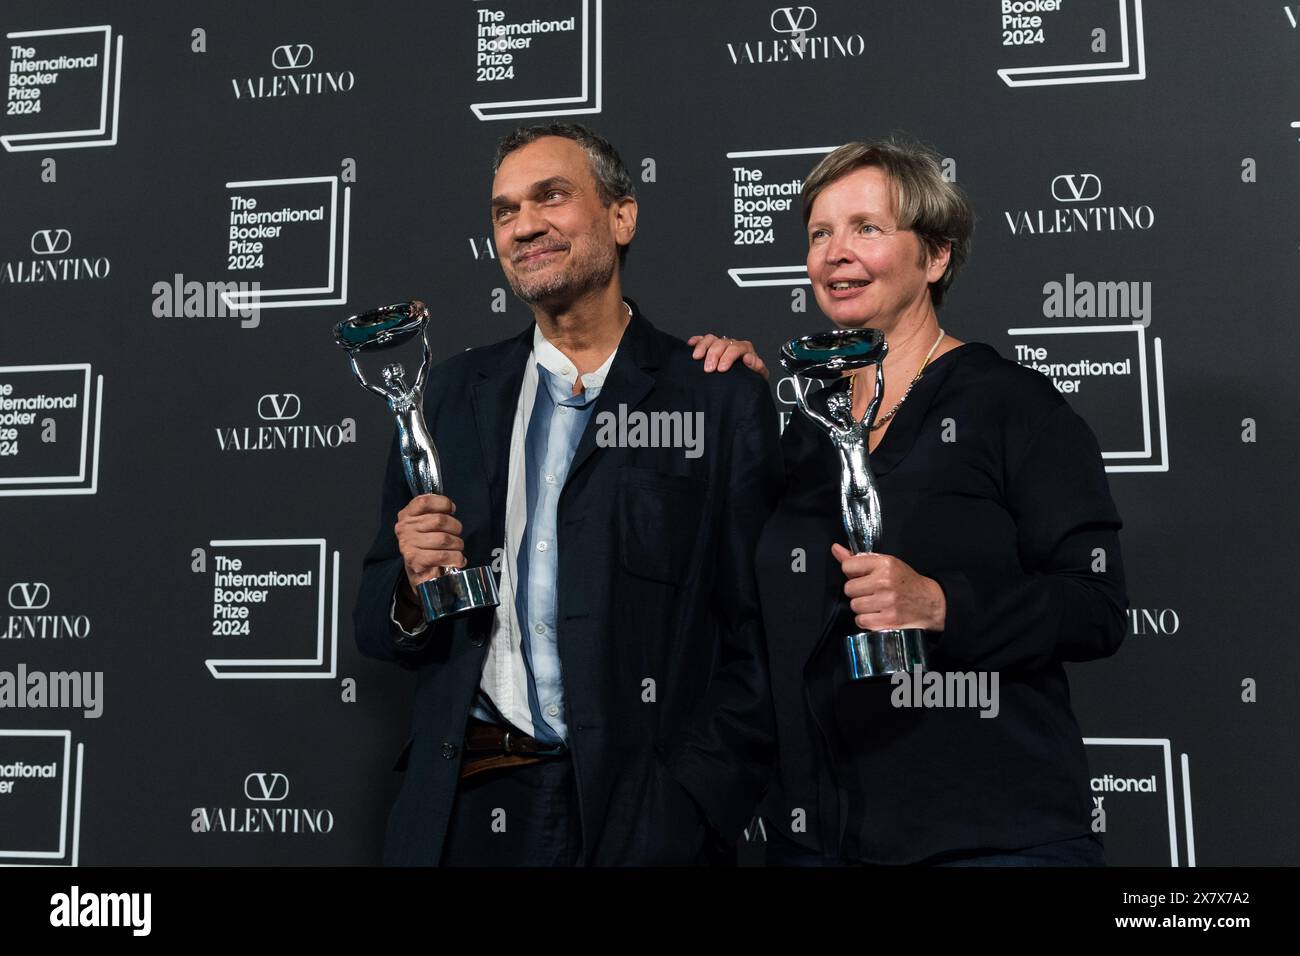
(537, 188)
(546, 185)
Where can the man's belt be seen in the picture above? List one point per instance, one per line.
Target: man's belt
(492, 747)
(482, 737)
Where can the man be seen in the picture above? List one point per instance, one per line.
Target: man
(614, 709)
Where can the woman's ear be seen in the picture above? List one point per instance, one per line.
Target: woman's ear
(938, 263)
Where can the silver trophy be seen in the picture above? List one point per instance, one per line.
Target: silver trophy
(825, 357)
(454, 591)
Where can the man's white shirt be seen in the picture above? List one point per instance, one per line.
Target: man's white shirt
(505, 672)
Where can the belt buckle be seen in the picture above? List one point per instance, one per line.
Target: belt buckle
(505, 741)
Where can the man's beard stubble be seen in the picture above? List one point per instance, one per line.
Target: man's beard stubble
(584, 274)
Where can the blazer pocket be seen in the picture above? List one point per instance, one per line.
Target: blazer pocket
(658, 521)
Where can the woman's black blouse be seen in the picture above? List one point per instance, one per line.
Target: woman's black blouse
(993, 486)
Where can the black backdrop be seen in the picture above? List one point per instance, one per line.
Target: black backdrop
(1141, 155)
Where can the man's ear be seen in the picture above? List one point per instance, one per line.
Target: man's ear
(622, 220)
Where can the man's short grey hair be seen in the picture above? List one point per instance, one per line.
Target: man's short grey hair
(612, 178)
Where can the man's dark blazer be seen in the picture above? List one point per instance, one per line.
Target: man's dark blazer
(659, 632)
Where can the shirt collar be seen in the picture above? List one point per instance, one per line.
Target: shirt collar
(558, 364)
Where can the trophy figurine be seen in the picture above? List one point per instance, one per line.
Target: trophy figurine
(454, 591)
(825, 357)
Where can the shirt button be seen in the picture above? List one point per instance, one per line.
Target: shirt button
(550, 479)
(552, 710)
(541, 545)
(539, 628)
(566, 369)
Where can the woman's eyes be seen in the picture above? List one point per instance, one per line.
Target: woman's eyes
(866, 228)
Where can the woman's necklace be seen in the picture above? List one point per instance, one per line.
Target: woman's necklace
(885, 421)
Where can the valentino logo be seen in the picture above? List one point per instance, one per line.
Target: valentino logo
(293, 78)
(49, 242)
(29, 595)
(262, 789)
(266, 787)
(281, 432)
(53, 243)
(787, 395)
(292, 56)
(793, 20)
(1079, 212)
(482, 248)
(279, 408)
(793, 44)
(1153, 621)
(1076, 187)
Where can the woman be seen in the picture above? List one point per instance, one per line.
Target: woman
(999, 539)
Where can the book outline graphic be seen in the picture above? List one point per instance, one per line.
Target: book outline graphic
(588, 101)
(249, 298)
(758, 276)
(1144, 384)
(86, 449)
(77, 138)
(1167, 759)
(261, 668)
(64, 798)
(1132, 48)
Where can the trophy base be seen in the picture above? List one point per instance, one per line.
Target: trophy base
(456, 592)
(881, 653)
